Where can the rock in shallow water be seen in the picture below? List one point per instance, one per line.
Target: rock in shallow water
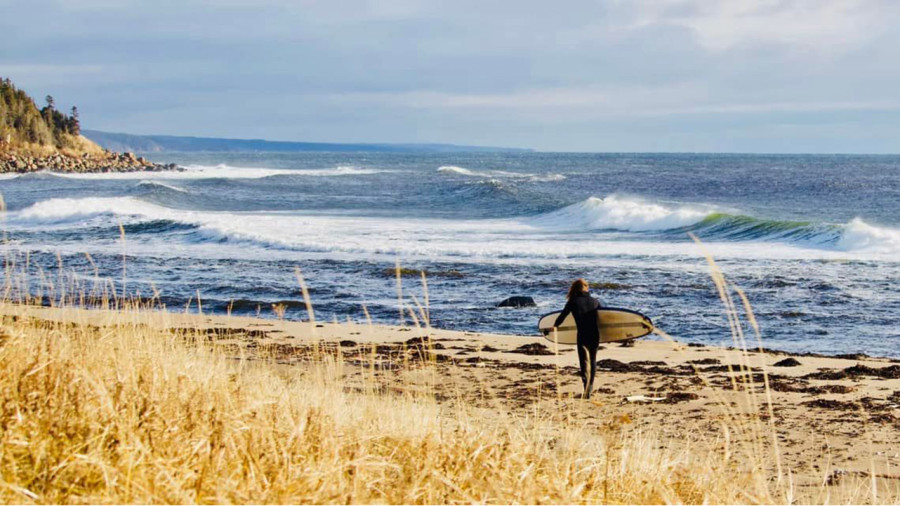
(518, 301)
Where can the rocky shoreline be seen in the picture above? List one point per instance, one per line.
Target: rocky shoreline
(105, 162)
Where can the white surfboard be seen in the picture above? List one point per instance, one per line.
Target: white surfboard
(616, 324)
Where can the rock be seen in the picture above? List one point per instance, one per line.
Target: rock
(518, 301)
(788, 362)
(85, 162)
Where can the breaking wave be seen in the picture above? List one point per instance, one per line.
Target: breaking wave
(623, 214)
(631, 220)
(618, 213)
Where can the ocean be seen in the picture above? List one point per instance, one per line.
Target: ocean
(813, 240)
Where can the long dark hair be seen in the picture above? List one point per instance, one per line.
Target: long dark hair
(579, 286)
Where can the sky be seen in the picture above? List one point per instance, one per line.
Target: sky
(773, 76)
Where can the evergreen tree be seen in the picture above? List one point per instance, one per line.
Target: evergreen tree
(74, 123)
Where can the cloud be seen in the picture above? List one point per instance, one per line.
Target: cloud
(826, 26)
(516, 73)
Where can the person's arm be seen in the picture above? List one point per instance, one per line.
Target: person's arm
(562, 316)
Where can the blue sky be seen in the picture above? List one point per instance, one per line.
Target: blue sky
(679, 75)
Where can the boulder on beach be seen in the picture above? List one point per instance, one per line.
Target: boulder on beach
(518, 301)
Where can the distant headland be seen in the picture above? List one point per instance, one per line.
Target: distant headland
(163, 143)
(33, 139)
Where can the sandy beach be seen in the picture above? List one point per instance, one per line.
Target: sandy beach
(834, 418)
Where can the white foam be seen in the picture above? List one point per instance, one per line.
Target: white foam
(500, 174)
(860, 236)
(343, 170)
(620, 213)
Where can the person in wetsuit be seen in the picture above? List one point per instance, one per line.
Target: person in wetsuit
(584, 308)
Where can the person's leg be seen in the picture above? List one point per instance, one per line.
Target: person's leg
(583, 357)
(592, 371)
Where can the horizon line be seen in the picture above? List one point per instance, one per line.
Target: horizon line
(488, 147)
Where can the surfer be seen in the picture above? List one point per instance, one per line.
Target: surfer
(584, 310)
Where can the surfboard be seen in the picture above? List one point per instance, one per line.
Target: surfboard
(616, 324)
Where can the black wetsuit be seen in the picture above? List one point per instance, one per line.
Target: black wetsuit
(584, 309)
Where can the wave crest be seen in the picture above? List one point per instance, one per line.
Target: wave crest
(501, 174)
(620, 213)
(155, 185)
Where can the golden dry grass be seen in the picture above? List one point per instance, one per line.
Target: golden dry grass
(131, 414)
(73, 146)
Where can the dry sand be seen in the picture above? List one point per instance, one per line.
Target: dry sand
(834, 417)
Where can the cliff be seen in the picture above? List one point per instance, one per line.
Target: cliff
(33, 139)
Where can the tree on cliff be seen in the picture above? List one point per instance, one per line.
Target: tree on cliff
(74, 123)
(21, 123)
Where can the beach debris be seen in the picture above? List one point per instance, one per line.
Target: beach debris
(616, 366)
(676, 397)
(832, 404)
(836, 476)
(853, 356)
(627, 344)
(346, 343)
(883, 418)
(705, 361)
(643, 398)
(518, 301)
(532, 349)
(787, 384)
(424, 341)
(788, 362)
(890, 372)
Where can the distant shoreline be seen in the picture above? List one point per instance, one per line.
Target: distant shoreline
(166, 143)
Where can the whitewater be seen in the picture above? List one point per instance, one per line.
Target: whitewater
(813, 240)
